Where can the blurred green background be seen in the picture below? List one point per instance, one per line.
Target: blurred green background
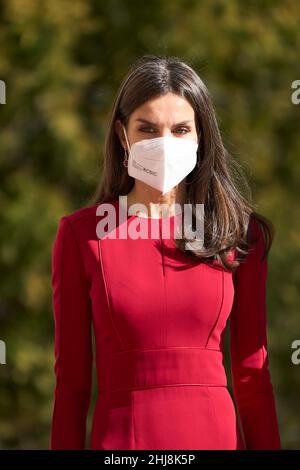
(62, 63)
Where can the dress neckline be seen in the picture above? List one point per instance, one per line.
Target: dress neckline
(169, 217)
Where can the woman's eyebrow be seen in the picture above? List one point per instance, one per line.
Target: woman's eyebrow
(145, 121)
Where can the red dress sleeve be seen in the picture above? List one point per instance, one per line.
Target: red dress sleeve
(73, 341)
(252, 386)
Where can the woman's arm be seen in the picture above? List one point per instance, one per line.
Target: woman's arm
(252, 386)
(73, 341)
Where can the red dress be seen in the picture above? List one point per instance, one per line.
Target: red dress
(158, 319)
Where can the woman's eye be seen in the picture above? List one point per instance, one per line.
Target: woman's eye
(150, 129)
(183, 128)
(145, 129)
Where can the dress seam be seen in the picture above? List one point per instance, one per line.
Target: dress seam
(106, 292)
(167, 348)
(215, 415)
(164, 326)
(148, 387)
(220, 311)
(133, 420)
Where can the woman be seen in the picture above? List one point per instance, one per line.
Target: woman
(159, 306)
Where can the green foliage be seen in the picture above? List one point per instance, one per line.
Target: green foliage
(62, 63)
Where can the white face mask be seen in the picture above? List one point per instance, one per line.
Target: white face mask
(162, 162)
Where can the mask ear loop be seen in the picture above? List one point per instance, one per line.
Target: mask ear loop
(125, 160)
(198, 159)
(196, 166)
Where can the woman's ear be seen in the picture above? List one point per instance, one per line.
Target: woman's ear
(120, 131)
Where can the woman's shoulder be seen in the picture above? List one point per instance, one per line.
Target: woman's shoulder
(260, 233)
(90, 211)
(81, 221)
(81, 213)
(85, 219)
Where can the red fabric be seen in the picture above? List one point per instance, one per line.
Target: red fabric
(158, 319)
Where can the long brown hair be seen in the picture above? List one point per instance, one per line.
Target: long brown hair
(217, 181)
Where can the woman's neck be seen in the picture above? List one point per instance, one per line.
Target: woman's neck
(156, 204)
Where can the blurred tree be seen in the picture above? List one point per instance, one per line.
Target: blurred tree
(62, 64)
